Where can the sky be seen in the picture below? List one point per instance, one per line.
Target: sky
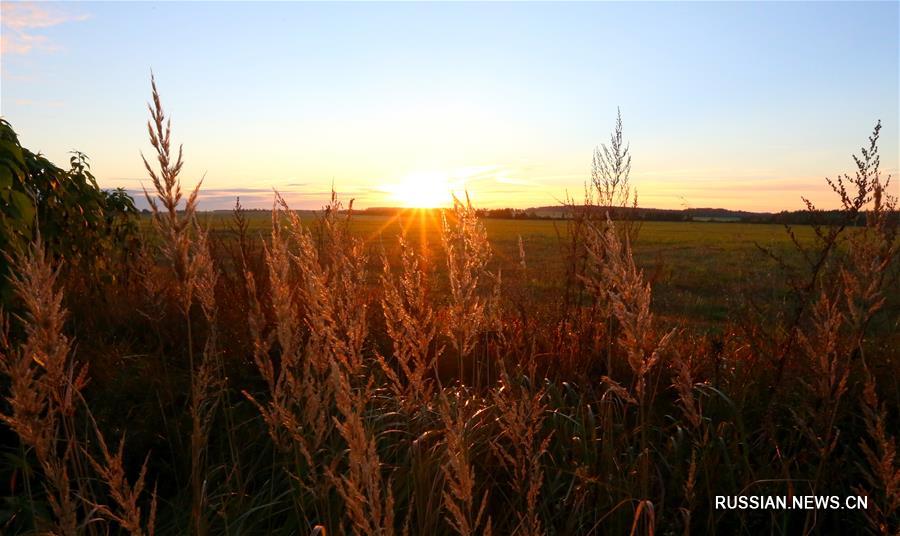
(736, 105)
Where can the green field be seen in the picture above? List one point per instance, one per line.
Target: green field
(701, 272)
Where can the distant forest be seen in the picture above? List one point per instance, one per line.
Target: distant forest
(719, 215)
(799, 217)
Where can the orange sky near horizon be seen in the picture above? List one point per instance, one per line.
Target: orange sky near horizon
(736, 105)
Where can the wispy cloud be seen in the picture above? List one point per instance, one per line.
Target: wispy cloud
(21, 20)
(251, 197)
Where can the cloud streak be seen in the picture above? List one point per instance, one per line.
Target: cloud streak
(224, 198)
(21, 21)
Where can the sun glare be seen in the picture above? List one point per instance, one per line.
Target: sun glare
(422, 190)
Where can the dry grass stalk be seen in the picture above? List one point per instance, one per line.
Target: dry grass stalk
(332, 289)
(521, 446)
(689, 485)
(459, 475)
(44, 382)
(883, 471)
(412, 326)
(610, 169)
(873, 251)
(329, 288)
(610, 189)
(368, 500)
(644, 519)
(295, 405)
(826, 351)
(172, 221)
(608, 193)
(827, 358)
(865, 187)
(684, 386)
(207, 381)
(262, 345)
(184, 245)
(44, 373)
(318, 298)
(473, 307)
(630, 298)
(126, 496)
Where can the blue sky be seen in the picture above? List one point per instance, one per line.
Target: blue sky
(736, 105)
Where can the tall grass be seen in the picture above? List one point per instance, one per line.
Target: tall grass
(310, 382)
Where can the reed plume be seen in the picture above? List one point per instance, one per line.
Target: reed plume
(459, 475)
(368, 499)
(474, 290)
(184, 246)
(45, 382)
(521, 445)
(411, 323)
(883, 468)
(125, 495)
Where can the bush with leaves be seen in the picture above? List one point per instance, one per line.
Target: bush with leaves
(79, 222)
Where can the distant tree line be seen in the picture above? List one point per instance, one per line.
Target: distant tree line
(721, 215)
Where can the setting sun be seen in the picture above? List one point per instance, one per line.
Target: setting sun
(422, 190)
(449, 268)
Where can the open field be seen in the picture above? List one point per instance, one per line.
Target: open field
(203, 373)
(308, 374)
(700, 271)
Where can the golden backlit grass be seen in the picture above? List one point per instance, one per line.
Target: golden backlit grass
(335, 376)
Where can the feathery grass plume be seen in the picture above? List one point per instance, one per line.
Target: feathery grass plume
(331, 289)
(692, 409)
(872, 250)
(368, 500)
(344, 267)
(607, 193)
(610, 186)
(522, 444)
(840, 281)
(206, 381)
(827, 354)
(827, 351)
(296, 405)
(332, 274)
(684, 386)
(240, 226)
(623, 282)
(411, 324)
(855, 193)
(883, 468)
(45, 382)
(629, 295)
(184, 245)
(126, 496)
(319, 298)
(173, 221)
(262, 345)
(459, 475)
(473, 305)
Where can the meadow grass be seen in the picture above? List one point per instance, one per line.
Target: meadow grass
(700, 270)
(298, 373)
